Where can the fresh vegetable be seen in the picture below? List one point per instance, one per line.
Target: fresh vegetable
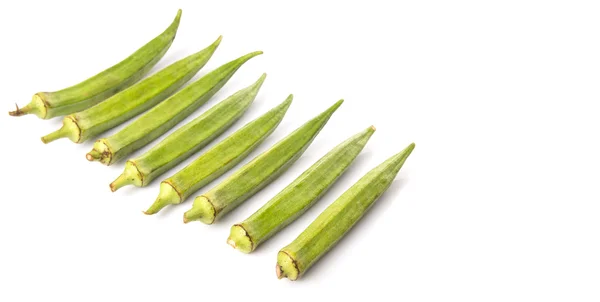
(259, 172)
(331, 225)
(78, 127)
(103, 85)
(298, 196)
(166, 115)
(218, 160)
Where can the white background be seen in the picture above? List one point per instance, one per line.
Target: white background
(498, 202)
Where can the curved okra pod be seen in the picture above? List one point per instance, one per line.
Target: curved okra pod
(165, 115)
(103, 85)
(219, 159)
(331, 225)
(136, 99)
(187, 140)
(259, 172)
(298, 196)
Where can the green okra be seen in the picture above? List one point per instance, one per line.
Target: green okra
(259, 172)
(165, 115)
(103, 85)
(132, 101)
(331, 225)
(298, 196)
(187, 140)
(219, 159)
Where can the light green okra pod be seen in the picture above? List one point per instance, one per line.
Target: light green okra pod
(103, 85)
(258, 173)
(165, 115)
(187, 140)
(298, 196)
(219, 159)
(331, 225)
(132, 101)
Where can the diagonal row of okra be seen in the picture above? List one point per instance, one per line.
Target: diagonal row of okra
(117, 95)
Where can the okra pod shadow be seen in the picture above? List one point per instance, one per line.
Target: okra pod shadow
(348, 240)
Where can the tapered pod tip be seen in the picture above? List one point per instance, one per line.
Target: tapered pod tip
(202, 210)
(373, 128)
(217, 41)
(286, 266)
(240, 240)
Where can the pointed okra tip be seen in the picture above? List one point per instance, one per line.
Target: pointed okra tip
(178, 17)
(217, 42)
(260, 80)
(250, 55)
(333, 107)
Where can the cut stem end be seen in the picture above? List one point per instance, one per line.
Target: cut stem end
(202, 210)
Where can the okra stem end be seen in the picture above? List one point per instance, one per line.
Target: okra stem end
(168, 195)
(37, 106)
(130, 176)
(69, 129)
(240, 240)
(202, 210)
(286, 266)
(93, 155)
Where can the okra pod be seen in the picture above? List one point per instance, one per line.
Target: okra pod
(333, 223)
(187, 140)
(165, 115)
(219, 159)
(103, 85)
(298, 196)
(259, 172)
(80, 126)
